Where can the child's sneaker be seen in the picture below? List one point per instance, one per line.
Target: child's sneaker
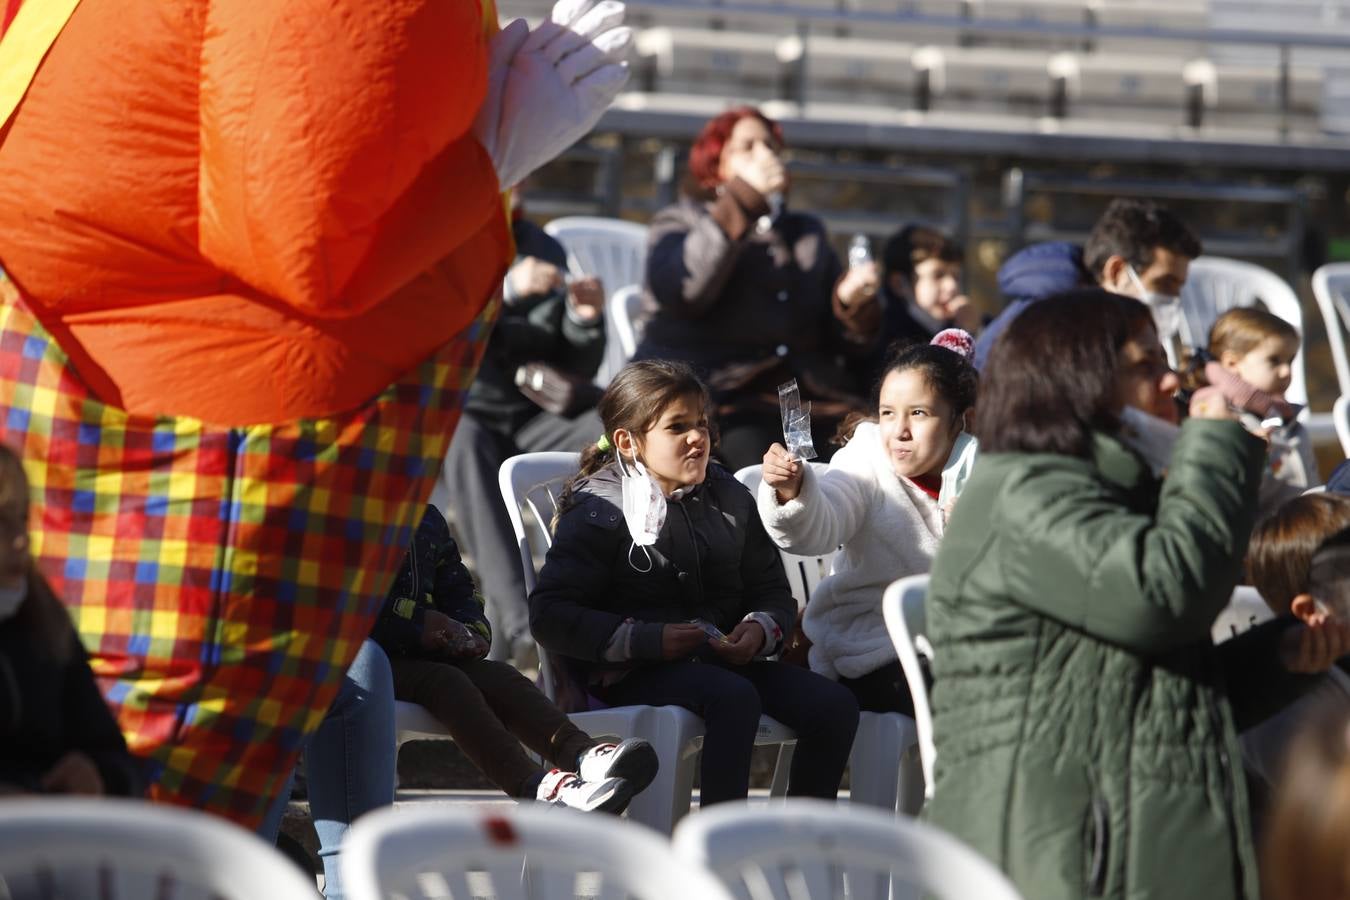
(560, 788)
(633, 760)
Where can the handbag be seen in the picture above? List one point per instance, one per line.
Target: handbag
(555, 390)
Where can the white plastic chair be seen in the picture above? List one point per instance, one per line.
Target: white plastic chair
(533, 482)
(114, 848)
(1245, 610)
(882, 770)
(903, 608)
(1331, 287)
(441, 851)
(1340, 417)
(810, 850)
(1216, 285)
(614, 251)
(804, 573)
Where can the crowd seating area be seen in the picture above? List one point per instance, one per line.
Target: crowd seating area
(1098, 62)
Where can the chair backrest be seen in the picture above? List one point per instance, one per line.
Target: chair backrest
(532, 483)
(903, 606)
(621, 331)
(131, 849)
(512, 853)
(1331, 287)
(1216, 285)
(1245, 610)
(810, 849)
(804, 573)
(1340, 417)
(612, 250)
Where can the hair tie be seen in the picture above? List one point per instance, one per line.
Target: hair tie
(957, 340)
(603, 445)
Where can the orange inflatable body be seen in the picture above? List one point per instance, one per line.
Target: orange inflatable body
(248, 256)
(284, 192)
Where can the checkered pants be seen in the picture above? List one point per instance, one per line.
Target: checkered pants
(222, 579)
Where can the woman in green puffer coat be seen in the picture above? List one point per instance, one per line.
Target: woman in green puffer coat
(1085, 724)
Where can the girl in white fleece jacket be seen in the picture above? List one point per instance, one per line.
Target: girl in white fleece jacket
(882, 498)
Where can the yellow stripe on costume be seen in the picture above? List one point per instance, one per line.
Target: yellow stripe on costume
(25, 46)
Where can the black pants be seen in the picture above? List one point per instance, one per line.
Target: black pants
(731, 699)
(490, 709)
(882, 690)
(470, 478)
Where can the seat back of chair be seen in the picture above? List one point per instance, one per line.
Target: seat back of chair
(812, 849)
(1244, 611)
(612, 250)
(804, 573)
(622, 314)
(1331, 287)
(531, 485)
(130, 850)
(513, 853)
(904, 608)
(1215, 285)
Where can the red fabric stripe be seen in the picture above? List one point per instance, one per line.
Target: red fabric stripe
(11, 10)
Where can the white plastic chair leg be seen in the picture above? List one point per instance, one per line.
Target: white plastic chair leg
(877, 760)
(676, 735)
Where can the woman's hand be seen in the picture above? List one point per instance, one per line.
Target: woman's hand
(74, 773)
(1210, 403)
(742, 645)
(680, 639)
(859, 285)
(532, 276)
(783, 473)
(762, 170)
(1313, 648)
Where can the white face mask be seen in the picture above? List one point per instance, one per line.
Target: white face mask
(11, 598)
(644, 504)
(1166, 309)
(1151, 437)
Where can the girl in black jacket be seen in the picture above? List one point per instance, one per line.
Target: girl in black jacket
(661, 587)
(56, 733)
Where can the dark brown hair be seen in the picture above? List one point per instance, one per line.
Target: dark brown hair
(915, 244)
(947, 372)
(1054, 374)
(1132, 229)
(1279, 556)
(1308, 834)
(634, 402)
(1241, 330)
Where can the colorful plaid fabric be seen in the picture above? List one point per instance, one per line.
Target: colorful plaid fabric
(222, 578)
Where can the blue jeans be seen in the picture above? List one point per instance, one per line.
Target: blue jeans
(349, 761)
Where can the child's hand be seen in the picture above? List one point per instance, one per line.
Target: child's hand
(1314, 647)
(783, 473)
(741, 646)
(74, 773)
(680, 639)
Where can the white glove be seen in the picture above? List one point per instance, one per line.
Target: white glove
(548, 87)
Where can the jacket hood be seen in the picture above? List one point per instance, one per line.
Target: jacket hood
(1043, 270)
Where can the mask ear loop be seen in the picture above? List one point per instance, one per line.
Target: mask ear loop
(650, 564)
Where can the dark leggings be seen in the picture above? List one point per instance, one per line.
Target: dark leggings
(882, 690)
(731, 699)
(490, 709)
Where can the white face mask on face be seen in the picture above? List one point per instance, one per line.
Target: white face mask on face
(1151, 437)
(644, 505)
(11, 598)
(1166, 309)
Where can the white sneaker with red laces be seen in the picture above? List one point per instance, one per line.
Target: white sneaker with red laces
(560, 788)
(633, 760)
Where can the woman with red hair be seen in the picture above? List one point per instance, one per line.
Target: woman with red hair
(750, 293)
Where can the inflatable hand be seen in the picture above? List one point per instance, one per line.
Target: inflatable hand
(548, 87)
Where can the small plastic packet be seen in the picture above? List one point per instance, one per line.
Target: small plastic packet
(796, 422)
(709, 629)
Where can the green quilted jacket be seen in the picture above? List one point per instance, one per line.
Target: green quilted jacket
(1085, 724)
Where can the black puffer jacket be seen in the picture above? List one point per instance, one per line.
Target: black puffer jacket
(712, 561)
